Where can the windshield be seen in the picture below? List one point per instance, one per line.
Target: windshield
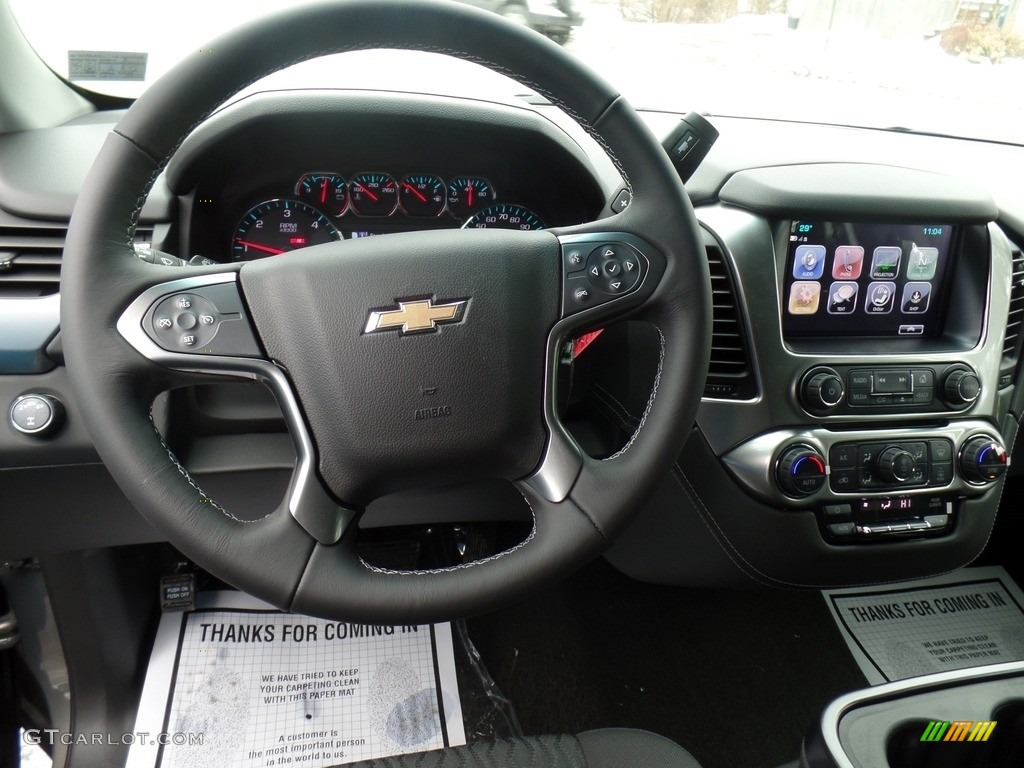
(951, 67)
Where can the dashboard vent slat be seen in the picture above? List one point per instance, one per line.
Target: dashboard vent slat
(1014, 322)
(30, 260)
(730, 373)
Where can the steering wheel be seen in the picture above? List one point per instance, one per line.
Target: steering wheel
(405, 361)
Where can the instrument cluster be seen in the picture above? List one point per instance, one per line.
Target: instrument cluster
(325, 206)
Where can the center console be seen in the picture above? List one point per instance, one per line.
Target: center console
(970, 718)
(874, 306)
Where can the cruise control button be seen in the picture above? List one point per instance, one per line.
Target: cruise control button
(186, 321)
(183, 302)
(206, 319)
(162, 323)
(188, 340)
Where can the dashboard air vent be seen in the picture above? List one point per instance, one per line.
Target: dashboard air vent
(30, 260)
(730, 374)
(1014, 322)
(30, 257)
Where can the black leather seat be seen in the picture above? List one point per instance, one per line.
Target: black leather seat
(605, 748)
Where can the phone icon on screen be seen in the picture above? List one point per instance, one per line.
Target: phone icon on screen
(848, 262)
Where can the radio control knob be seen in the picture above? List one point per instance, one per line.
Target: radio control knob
(800, 471)
(983, 460)
(896, 465)
(823, 391)
(962, 387)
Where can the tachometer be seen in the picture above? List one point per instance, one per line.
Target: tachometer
(505, 216)
(278, 226)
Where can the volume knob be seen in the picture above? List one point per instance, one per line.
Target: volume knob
(823, 391)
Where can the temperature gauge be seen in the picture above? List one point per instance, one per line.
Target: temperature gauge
(373, 194)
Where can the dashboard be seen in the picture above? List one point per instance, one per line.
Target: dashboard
(861, 407)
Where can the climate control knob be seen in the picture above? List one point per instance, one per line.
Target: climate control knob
(983, 460)
(800, 471)
(961, 388)
(896, 465)
(822, 391)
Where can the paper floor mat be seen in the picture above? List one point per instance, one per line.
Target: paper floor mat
(239, 684)
(968, 618)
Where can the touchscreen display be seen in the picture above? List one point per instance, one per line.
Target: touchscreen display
(847, 279)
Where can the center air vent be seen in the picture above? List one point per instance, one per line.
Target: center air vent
(730, 374)
(1014, 321)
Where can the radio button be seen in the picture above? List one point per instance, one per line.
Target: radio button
(859, 379)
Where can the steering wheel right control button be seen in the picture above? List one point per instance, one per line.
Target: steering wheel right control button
(800, 471)
(207, 320)
(594, 275)
(983, 460)
(36, 415)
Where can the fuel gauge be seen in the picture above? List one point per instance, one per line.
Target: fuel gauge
(422, 195)
(327, 192)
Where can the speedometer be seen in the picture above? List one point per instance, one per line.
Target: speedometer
(278, 226)
(505, 216)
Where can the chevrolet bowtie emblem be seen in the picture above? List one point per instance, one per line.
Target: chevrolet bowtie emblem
(419, 316)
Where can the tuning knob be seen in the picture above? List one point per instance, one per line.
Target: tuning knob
(822, 391)
(800, 471)
(961, 388)
(896, 465)
(983, 460)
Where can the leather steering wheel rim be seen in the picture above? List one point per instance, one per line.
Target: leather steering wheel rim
(275, 558)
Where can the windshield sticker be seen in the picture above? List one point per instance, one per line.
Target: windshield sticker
(107, 65)
(968, 618)
(241, 684)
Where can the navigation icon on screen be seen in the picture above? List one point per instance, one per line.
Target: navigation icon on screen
(921, 263)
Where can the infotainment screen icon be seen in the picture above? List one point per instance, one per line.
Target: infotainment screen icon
(857, 279)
